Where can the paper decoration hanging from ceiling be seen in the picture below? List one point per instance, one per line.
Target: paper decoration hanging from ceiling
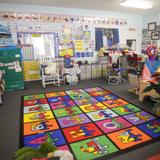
(42, 17)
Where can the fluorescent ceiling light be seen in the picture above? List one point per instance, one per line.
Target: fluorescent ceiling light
(142, 4)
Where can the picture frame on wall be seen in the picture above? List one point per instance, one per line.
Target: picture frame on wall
(152, 26)
(155, 35)
(148, 36)
(131, 43)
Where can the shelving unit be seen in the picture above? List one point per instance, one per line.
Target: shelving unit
(2, 83)
(93, 71)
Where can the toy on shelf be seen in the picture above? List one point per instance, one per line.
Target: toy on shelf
(67, 61)
(72, 74)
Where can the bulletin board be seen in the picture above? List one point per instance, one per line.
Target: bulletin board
(76, 41)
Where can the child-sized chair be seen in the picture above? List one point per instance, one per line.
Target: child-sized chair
(52, 71)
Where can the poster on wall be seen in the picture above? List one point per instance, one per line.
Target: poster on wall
(67, 33)
(79, 46)
(66, 48)
(87, 35)
(106, 37)
(87, 39)
(110, 37)
(78, 32)
(67, 51)
(131, 43)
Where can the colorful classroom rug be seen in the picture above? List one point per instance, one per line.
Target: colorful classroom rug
(92, 123)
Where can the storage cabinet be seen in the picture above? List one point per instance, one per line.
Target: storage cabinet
(85, 72)
(10, 65)
(93, 71)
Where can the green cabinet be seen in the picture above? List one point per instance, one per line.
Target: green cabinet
(10, 64)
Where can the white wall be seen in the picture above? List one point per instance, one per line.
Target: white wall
(154, 17)
(134, 20)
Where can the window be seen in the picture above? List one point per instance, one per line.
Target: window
(43, 43)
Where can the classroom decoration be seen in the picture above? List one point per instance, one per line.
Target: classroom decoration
(79, 46)
(106, 37)
(53, 18)
(66, 48)
(10, 64)
(73, 34)
(31, 70)
(92, 123)
(75, 41)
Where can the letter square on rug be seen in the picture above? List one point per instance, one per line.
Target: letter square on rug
(55, 94)
(36, 96)
(37, 108)
(34, 102)
(106, 97)
(115, 103)
(67, 111)
(57, 99)
(73, 120)
(98, 93)
(65, 148)
(93, 107)
(62, 104)
(40, 126)
(113, 124)
(81, 132)
(54, 137)
(152, 128)
(93, 148)
(38, 116)
(78, 94)
(102, 114)
(126, 109)
(93, 89)
(128, 137)
(89, 100)
(139, 117)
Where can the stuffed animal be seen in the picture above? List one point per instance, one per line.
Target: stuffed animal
(101, 52)
(51, 69)
(64, 155)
